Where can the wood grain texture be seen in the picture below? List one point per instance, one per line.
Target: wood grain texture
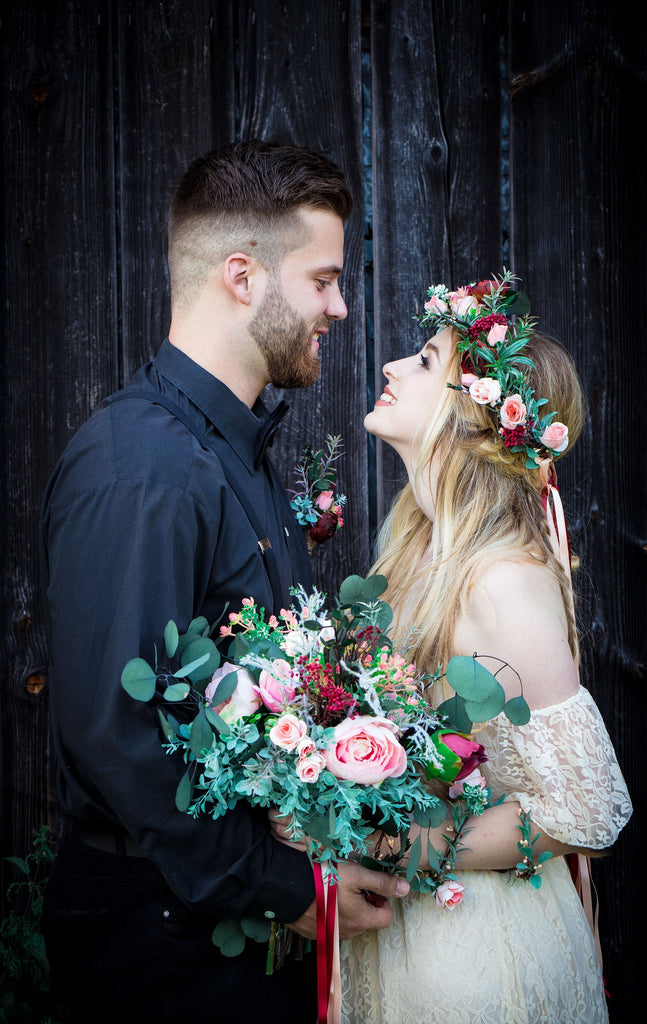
(106, 102)
(58, 351)
(436, 168)
(575, 76)
(299, 81)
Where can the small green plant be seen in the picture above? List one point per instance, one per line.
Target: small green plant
(24, 972)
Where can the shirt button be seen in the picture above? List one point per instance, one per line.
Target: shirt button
(166, 913)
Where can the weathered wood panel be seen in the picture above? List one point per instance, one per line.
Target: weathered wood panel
(299, 80)
(576, 73)
(170, 111)
(58, 283)
(436, 168)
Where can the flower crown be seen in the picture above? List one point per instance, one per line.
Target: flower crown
(493, 325)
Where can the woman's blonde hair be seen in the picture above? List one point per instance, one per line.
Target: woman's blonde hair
(487, 507)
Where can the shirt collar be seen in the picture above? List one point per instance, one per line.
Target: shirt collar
(248, 431)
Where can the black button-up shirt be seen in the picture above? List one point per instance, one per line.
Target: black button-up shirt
(140, 526)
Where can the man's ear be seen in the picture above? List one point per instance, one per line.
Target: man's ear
(239, 275)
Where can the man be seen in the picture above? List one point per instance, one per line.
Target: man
(162, 511)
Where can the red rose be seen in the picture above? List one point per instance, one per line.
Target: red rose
(325, 527)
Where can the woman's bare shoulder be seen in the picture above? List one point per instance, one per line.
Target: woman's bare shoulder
(514, 611)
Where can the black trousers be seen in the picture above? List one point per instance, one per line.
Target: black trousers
(123, 948)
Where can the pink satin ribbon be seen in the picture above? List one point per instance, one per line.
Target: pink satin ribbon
(554, 510)
(328, 963)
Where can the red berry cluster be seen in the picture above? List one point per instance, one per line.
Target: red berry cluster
(484, 323)
(331, 700)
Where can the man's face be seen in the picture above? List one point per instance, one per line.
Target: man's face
(301, 300)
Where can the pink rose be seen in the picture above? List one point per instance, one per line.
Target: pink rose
(310, 768)
(324, 500)
(277, 687)
(467, 379)
(473, 779)
(496, 334)
(449, 894)
(244, 700)
(287, 732)
(555, 437)
(485, 391)
(436, 305)
(460, 302)
(512, 412)
(365, 750)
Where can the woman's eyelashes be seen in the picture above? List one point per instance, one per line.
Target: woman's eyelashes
(424, 361)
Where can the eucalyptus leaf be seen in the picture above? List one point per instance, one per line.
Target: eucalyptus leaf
(191, 666)
(177, 692)
(517, 711)
(166, 726)
(217, 722)
(432, 857)
(200, 735)
(199, 625)
(470, 679)
(535, 881)
(138, 679)
(355, 589)
(454, 710)
(225, 688)
(184, 793)
(255, 928)
(196, 651)
(414, 859)
(229, 937)
(484, 710)
(171, 638)
(543, 857)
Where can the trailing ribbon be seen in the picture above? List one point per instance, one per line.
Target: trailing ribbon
(328, 966)
(580, 864)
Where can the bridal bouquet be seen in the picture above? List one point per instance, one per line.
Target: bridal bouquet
(315, 714)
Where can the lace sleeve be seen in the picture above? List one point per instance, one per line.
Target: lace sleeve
(562, 768)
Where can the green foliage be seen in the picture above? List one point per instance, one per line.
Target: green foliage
(25, 997)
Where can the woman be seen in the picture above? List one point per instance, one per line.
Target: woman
(473, 562)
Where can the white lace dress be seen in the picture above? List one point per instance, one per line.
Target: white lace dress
(508, 954)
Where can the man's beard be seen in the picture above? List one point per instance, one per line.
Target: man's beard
(285, 339)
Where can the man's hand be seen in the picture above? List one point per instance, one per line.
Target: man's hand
(356, 914)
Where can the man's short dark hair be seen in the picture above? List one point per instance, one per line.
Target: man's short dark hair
(246, 196)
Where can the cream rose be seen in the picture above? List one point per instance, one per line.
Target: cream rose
(485, 391)
(461, 301)
(512, 412)
(449, 894)
(309, 768)
(365, 750)
(555, 437)
(287, 732)
(436, 305)
(244, 700)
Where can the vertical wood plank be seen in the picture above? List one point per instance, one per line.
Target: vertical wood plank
(436, 168)
(58, 352)
(175, 102)
(299, 80)
(576, 74)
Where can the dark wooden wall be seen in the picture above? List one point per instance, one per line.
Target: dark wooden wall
(473, 133)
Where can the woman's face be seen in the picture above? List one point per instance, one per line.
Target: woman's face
(414, 387)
